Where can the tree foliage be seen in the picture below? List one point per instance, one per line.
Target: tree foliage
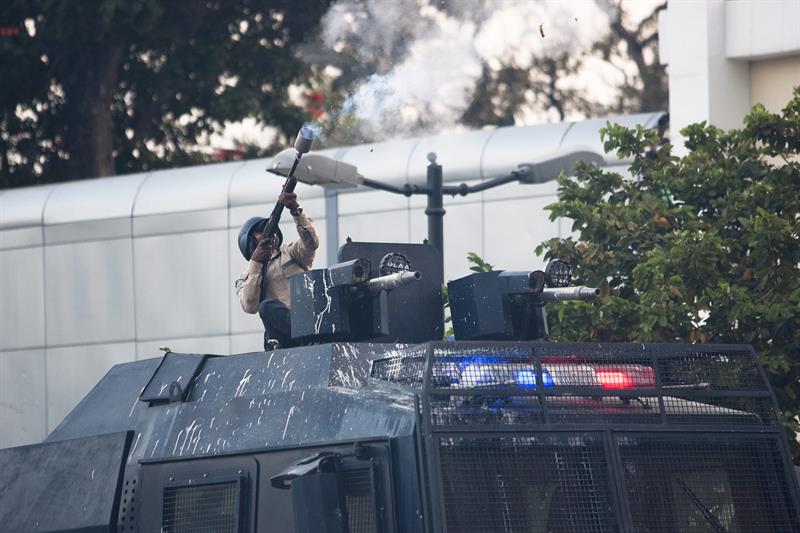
(645, 88)
(700, 248)
(477, 264)
(114, 86)
(631, 47)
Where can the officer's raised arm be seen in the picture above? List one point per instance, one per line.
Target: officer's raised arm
(304, 249)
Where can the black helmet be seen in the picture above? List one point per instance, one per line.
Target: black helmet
(247, 243)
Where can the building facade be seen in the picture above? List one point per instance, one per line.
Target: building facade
(724, 56)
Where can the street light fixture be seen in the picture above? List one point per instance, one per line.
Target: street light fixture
(317, 169)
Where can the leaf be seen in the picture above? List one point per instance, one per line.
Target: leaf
(478, 264)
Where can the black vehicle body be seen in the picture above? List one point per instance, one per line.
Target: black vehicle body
(408, 448)
(416, 437)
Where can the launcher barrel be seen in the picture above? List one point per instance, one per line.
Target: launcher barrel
(569, 293)
(391, 281)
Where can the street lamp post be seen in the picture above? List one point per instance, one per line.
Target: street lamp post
(435, 210)
(330, 173)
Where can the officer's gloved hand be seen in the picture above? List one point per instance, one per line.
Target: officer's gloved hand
(263, 251)
(289, 199)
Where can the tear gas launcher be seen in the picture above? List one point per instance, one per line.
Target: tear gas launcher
(302, 145)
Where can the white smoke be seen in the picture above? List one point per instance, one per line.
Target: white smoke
(375, 27)
(426, 91)
(428, 58)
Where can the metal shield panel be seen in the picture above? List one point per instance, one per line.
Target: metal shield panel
(181, 285)
(22, 298)
(414, 312)
(89, 294)
(70, 485)
(74, 370)
(22, 397)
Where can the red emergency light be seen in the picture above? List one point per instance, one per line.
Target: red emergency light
(625, 377)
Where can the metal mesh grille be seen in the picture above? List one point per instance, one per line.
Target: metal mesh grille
(405, 366)
(710, 410)
(697, 483)
(547, 484)
(572, 409)
(691, 368)
(577, 365)
(682, 480)
(360, 501)
(471, 366)
(463, 410)
(576, 383)
(205, 508)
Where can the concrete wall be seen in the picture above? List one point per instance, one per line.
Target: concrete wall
(720, 62)
(99, 272)
(772, 80)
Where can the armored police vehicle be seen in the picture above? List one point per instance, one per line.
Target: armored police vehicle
(376, 425)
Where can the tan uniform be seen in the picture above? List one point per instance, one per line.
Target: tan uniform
(290, 259)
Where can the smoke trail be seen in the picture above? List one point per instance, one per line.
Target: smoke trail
(425, 91)
(425, 59)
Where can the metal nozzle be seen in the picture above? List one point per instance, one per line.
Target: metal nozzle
(391, 281)
(305, 138)
(569, 293)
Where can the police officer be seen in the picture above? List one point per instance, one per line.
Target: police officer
(263, 287)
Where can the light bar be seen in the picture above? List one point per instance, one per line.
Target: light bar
(527, 378)
(509, 371)
(614, 379)
(572, 375)
(491, 371)
(619, 377)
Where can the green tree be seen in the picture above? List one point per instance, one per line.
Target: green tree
(699, 248)
(111, 86)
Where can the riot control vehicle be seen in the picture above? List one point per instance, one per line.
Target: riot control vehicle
(377, 425)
